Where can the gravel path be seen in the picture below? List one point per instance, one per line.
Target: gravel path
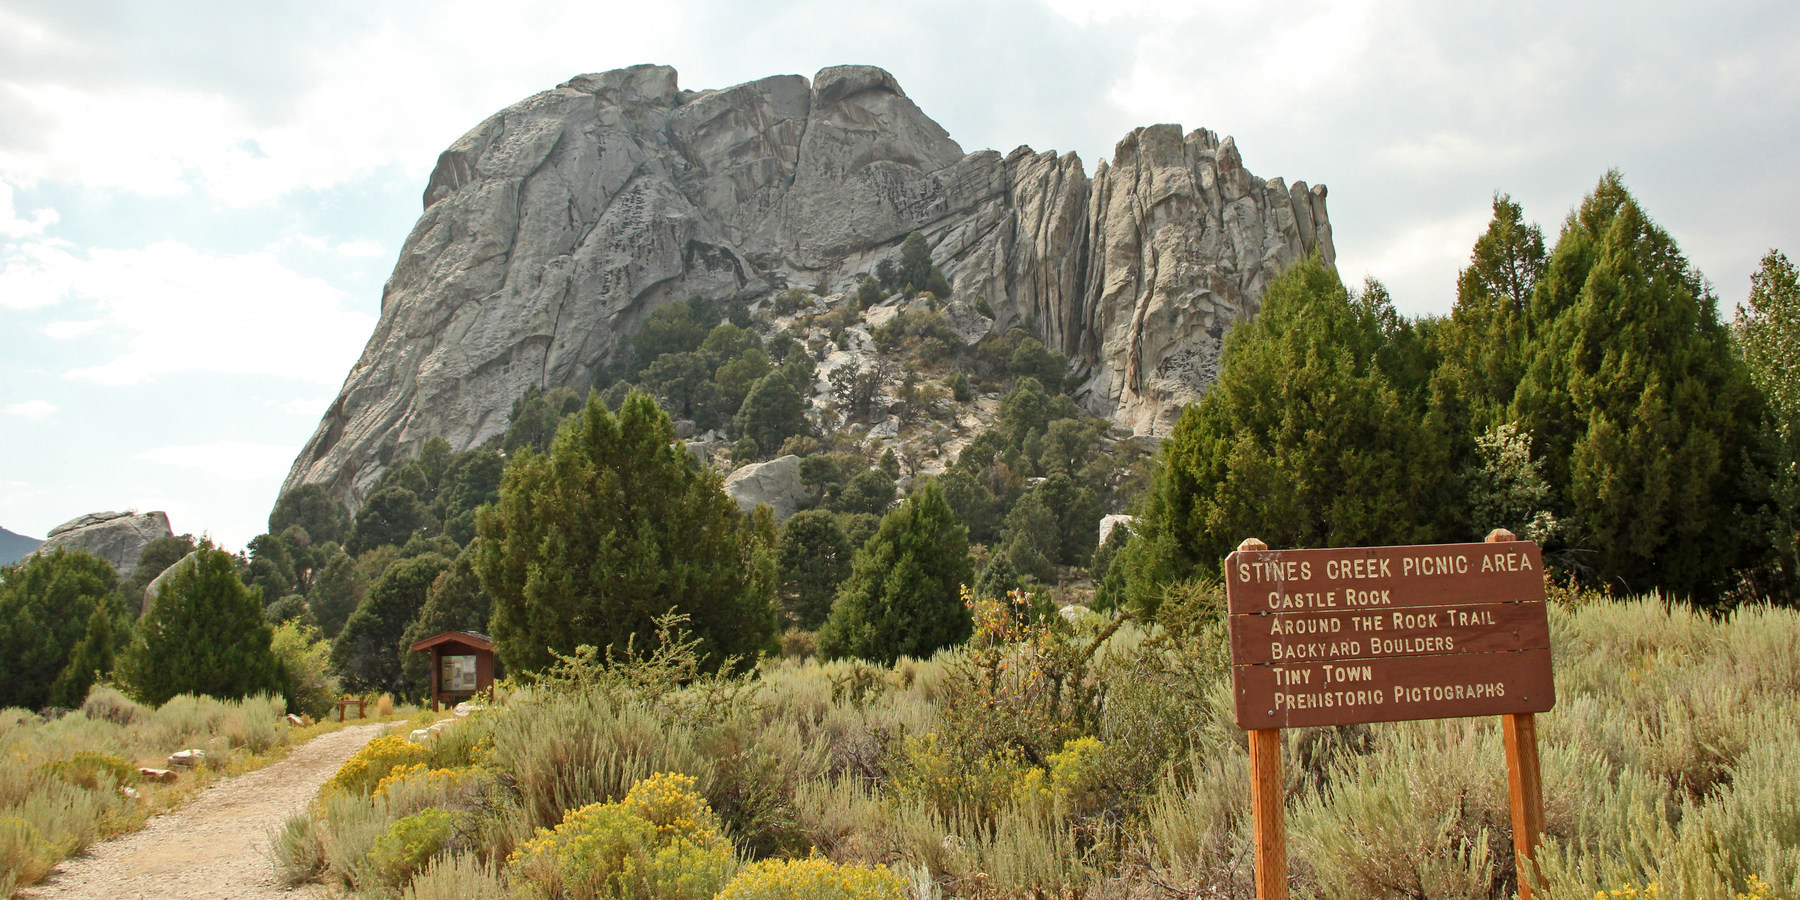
(216, 845)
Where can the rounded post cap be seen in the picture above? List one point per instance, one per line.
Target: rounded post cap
(1499, 535)
(1252, 544)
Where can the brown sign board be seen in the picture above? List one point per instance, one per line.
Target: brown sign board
(1385, 634)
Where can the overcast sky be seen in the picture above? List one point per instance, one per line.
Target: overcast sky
(199, 202)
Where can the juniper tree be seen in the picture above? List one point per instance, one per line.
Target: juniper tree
(204, 634)
(814, 558)
(1314, 435)
(1768, 333)
(611, 530)
(46, 603)
(367, 654)
(903, 596)
(1639, 408)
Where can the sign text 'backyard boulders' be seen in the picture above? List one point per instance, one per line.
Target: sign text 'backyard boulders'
(1383, 634)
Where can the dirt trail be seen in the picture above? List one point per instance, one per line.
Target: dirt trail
(215, 846)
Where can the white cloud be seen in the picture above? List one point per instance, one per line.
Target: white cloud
(230, 460)
(30, 409)
(63, 331)
(13, 227)
(372, 90)
(177, 309)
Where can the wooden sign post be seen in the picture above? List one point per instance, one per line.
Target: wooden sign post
(1388, 634)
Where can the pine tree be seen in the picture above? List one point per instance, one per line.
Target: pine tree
(611, 530)
(1485, 339)
(814, 558)
(204, 634)
(1314, 435)
(773, 411)
(91, 660)
(46, 604)
(454, 602)
(1768, 332)
(311, 507)
(368, 654)
(903, 596)
(1641, 412)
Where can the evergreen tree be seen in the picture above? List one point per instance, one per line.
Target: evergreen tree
(204, 634)
(91, 659)
(903, 596)
(814, 558)
(1030, 539)
(157, 555)
(870, 491)
(46, 602)
(392, 515)
(309, 506)
(368, 653)
(1307, 439)
(455, 602)
(271, 566)
(536, 416)
(868, 292)
(670, 329)
(1768, 332)
(915, 263)
(773, 412)
(1484, 344)
(975, 506)
(1642, 413)
(335, 590)
(611, 530)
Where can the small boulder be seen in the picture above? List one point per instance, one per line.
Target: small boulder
(296, 721)
(187, 759)
(420, 736)
(463, 708)
(160, 776)
(776, 482)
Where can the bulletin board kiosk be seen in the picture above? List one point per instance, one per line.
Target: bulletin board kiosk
(462, 665)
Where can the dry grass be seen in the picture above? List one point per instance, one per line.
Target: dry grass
(1673, 758)
(67, 782)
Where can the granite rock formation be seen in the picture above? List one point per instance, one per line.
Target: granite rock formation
(775, 483)
(117, 537)
(555, 227)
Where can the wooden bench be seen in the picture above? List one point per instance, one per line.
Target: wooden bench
(352, 701)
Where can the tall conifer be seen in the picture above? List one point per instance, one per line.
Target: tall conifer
(1641, 411)
(613, 529)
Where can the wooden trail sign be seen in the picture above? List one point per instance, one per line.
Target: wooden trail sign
(1386, 634)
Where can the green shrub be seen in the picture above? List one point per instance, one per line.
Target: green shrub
(407, 845)
(93, 771)
(815, 879)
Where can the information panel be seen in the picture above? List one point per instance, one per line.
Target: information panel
(1384, 634)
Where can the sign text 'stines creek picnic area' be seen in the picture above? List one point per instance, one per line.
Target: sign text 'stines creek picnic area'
(1382, 634)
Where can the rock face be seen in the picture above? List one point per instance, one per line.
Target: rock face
(156, 584)
(776, 482)
(116, 537)
(554, 228)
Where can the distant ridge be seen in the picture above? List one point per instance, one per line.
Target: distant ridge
(14, 547)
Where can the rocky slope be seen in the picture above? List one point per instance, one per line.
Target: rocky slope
(554, 228)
